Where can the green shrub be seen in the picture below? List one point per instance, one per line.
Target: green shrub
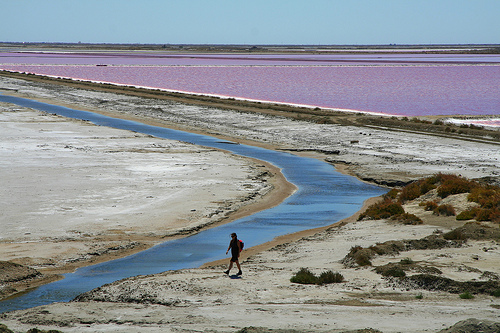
(496, 293)
(388, 248)
(394, 272)
(392, 194)
(391, 269)
(330, 277)
(406, 261)
(466, 295)
(419, 296)
(467, 215)
(361, 256)
(304, 276)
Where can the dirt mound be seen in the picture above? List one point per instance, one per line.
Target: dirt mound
(268, 330)
(474, 230)
(11, 272)
(359, 256)
(400, 269)
(473, 326)
(438, 283)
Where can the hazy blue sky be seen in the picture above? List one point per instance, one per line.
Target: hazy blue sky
(252, 21)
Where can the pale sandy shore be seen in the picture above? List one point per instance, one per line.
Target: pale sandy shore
(204, 299)
(74, 193)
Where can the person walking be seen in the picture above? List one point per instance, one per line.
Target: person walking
(235, 247)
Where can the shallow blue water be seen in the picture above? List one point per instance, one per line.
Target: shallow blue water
(324, 197)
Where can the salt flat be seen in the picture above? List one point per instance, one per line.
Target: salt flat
(70, 188)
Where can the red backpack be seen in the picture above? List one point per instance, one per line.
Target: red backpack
(241, 244)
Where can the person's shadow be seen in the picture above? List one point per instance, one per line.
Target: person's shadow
(234, 276)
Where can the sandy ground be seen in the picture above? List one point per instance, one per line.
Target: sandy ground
(204, 299)
(73, 193)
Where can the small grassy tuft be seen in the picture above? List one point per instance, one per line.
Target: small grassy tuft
(466, 295)
(406, 261)
(305, 276)
(330, 277)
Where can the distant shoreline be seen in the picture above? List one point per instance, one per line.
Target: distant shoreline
(265, 48)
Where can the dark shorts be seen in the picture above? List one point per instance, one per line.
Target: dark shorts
(234, 258)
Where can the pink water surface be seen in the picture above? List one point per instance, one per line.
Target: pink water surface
(399, 90)
(399, 84)
(219, 59)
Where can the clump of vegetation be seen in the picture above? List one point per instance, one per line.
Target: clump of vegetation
(429, 205)
(305, 276)
(452, 184)
(382, 210)
(405, 265)
(390, 270)
(467, 214)
(487, 196)
(496, 293)
(418, 188)
(408, 219)
(359, 256)
(446, 210)
(392, 194)
(388, 248)
(330, 277)
(466, 295)
(406, 261)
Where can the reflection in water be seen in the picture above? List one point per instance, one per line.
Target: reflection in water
(324, 197)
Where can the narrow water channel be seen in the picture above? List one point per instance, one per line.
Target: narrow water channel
(324, 197)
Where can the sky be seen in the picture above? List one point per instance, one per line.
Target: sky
(252, 22)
